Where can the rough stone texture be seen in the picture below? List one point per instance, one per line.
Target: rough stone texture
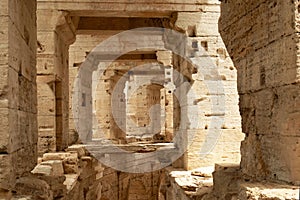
(229, 183)
(18, 135)
(268, 191)
(157, 8)
(262, 40)
(86, 85)
(144, 94)
(89, 179)
(107, 125)
(213, 124)
(54, 39)
(186, 185)
(265, 54)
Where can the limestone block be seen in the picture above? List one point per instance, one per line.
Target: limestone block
(165, 57)
(23, 123)
(55, 156)
(275, 115)
(269, 157)
(45, 66)
(22, 55)
(80, 149)
(226, 180)
(4, 7)
(25, 22)
(71, 181)
(17, 68)
(193, 23)
(4, 133)
(46, 141)
(70, 163)
(203, 172)
(204, 46)
(51, 16)
(46, 122)
(57, 167)
(224, 147)
(268, 191)
(5, 171)
(24, 159)
(41, 169)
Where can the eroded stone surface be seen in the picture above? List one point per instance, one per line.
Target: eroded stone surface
(262, 41)
(268, 84)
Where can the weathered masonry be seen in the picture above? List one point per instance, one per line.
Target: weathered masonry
(149, 99)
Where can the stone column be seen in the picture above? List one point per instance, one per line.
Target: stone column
(263, 41)
(55, 33)
(18, 134)
(165, 57)
(207, 89)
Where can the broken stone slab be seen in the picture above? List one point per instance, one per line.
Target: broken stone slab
(57, 167)
(178, 174)
(69, 162)
(56, 156)
(80, 149)
(268, 191)
(71, 180)
(187, 184)
(52, 173)
(206, 183)
(40, 169)
(203, 171)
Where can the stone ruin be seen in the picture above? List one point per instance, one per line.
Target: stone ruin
(149, 100)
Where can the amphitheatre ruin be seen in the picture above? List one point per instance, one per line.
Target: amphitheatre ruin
(150, 99)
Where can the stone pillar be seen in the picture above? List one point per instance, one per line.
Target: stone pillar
(118, 106)
(263, 41)
(110, 104)
(55, 33)
(18, 135)
(82, 89)
(165, 57)
(207, 89)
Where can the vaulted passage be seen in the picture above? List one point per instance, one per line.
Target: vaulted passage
(149, 100)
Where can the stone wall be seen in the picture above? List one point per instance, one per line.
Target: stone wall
(262, 40)
(210, 111)
(75, 174)
(54, 39)
(85, 83)
(18, 91)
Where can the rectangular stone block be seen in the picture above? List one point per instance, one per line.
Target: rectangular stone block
(46, 122)
(21, 121)
(5, 130)
(4, 7)
(21, 54)
(213, 146)
(5, 174)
